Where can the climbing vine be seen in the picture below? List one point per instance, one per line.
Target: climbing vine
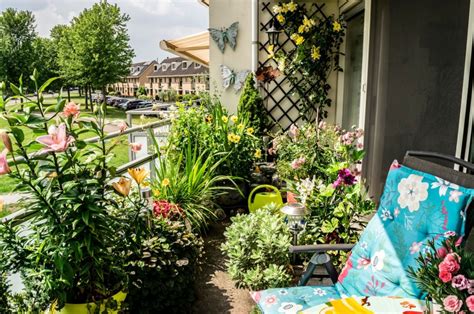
(316, 54)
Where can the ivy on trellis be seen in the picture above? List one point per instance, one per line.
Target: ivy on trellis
(286, 96)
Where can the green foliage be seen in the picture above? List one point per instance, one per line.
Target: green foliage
(213, 132)
(141, 91)
(46, 62)
(251, 107)
(71, 254)
(315, 56)
(189, 180)
(4, 294)
(144, 97)
(163, 275)
(427, 272)
(257, 247)
(17, 41)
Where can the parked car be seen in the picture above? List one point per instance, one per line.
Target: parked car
(145, 104)
(118, 101)
(130, 105)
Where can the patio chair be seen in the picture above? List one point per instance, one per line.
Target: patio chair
(422, 200)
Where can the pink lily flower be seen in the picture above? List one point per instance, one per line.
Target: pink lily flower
(57, 140)
(136, 147)
(71, 110)
(4, 169)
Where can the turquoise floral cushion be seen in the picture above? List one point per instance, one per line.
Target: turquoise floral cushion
(414, 208)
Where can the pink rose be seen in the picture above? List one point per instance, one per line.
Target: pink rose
(71, 110)
(470, 303)
(445, 276)
(450, 263)
(470, 289)
(136, 147)
(460, 282)
(441, 252)
(452, 304)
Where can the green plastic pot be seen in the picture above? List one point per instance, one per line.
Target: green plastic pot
(258, 200)
(86, 308)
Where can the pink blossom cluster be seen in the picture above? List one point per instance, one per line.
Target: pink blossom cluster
(449, 272)
(344, 177)
(352, 137)
(297, 163)
(167, 210)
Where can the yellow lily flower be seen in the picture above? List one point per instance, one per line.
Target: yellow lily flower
(233, 119)
(225, 119)
(258, 154)
(336, 26)
(315, 53)
(250, 131)
(165, 182)
(138, 174)
(280, 18)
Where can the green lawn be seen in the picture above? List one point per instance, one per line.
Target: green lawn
(120, 151)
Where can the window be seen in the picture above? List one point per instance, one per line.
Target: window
(197, 65)
(165, 66)
(174, 65)
(156, 67)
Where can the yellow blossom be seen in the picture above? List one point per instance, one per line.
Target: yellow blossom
(156, 192)
(240, 126)
(291, 6)
(165, 182)
(233, 138)
(250, 131)
(138, 174)
(225, 119)
(234, 119)
(258, 154)
(315, 53)
(280, 18)
(122, 186)
(271, 52)
(336, 26)
(301, 29)
(276, 9)
(308, 22)
(298, 39)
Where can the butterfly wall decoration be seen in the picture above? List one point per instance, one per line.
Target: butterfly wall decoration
(230, 77)
(225, 35)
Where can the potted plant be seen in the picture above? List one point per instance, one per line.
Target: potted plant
(68, 257)
(446, 273)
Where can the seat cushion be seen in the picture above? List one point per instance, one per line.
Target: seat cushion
(292, 300)
(414, 208)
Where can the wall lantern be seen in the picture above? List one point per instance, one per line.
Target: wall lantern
(273, 34)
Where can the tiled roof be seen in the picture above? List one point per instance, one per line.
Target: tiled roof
(165, 68)
(138, 68)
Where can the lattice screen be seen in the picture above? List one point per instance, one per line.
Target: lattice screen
(280, 97)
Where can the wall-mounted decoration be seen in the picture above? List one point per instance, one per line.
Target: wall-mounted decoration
(267, 74)
(225, 35)
(230, 77)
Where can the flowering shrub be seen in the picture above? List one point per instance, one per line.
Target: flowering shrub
(214, 133)
(316, 54)
(446, 273)
(321, 166)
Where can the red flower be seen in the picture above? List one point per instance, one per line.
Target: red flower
(167, 210)
(445, 276)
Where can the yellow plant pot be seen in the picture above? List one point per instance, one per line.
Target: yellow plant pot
(258, 200)
(87, 308)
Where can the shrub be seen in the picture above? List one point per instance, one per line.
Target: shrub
(141, 91)
(257, 250)
(144, 97)
(162, 277)
(4, 294)
(251, 107)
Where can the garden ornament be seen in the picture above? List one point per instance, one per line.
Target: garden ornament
(225, 35)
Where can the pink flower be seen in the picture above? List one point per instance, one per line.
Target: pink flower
(470, 303)
(450, 263)
(122, 125)
(445, 276)
(297, 163)
(57, 140)
(293, 132)
(271, 300)
(460, 282)
(395, 165)
(452, 304)
(136, 147)
(4, 169)
(71, 110)
(470, 289)
(458, 242)
(441, 252)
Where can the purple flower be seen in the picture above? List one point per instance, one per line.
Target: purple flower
(460, 282)
(344, 176)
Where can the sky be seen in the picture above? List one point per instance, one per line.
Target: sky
(150, 20)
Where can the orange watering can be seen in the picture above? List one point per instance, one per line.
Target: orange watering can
(258, 200)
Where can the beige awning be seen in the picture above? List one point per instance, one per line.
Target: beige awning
(193, 47)
(204, 2)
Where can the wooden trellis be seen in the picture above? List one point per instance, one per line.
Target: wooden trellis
(280, 97)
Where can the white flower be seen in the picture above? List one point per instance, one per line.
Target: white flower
(386, 214)
(319, 291)
(415, 247)
(377, 260)
(443, 186)
(448, 234)
(454, 196)
(290, 308)
(412, 191)
(305, 188)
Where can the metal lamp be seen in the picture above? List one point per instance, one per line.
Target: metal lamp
(273, 34)
(295, 213)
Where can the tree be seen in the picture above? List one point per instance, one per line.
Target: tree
(46, 61)
(100, 45)
(251, 107)
(17, 37)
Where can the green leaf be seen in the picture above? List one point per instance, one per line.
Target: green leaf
(47, 83)
(18, 134)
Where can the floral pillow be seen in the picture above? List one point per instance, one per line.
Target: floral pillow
(415, 207)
